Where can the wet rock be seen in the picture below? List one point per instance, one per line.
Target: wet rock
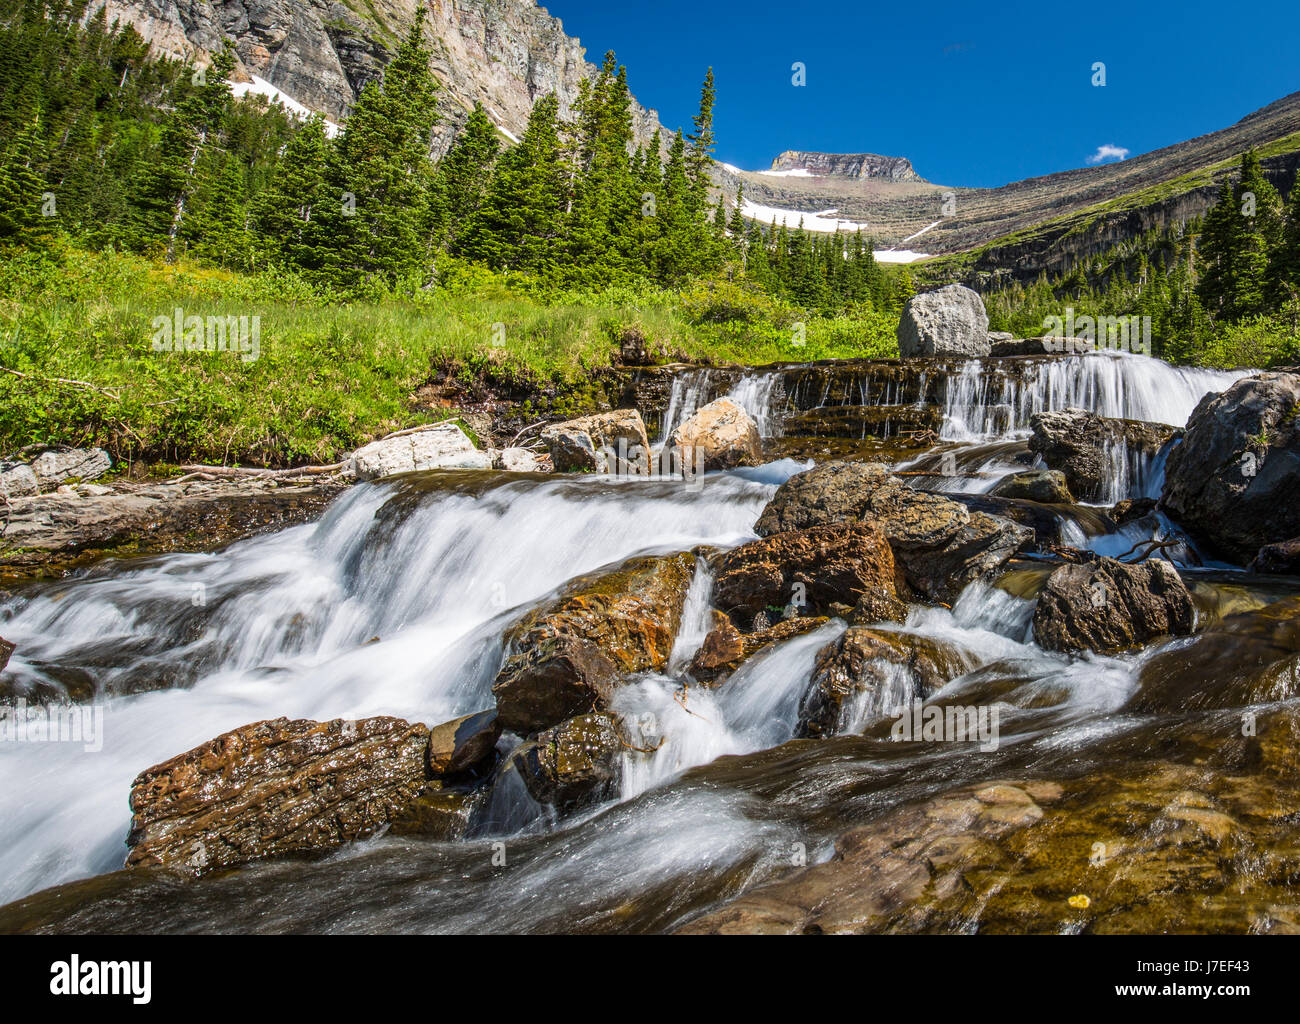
(1132, 509)
(877, 606)
(1047, 486)
(868, 674)
(859, 421)
(830, 492)
(940, 545)
(1078, 443)
(519, 460)
(1247, 659)
(721, 435)
(1234, 482)
(464, 743)
(564, 658)
(1108, 606)
(942, 563)
(442, 811)
(6, 649)
(947, 321)
(575, 762)
(53, 533)
(443, 446)
(808, 569)
(725, 648)
(607, 442)
(1280, 559)
(275, 787)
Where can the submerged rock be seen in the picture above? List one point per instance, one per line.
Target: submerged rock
(1078, 442)
(273, 788)
(805, 569)
(1234, 482)
(721, 435)
(947, 321)
(443, 446)
(874, 672)
(607, 442)
(564, 658)
(1047, 486)
(726, 648)
(1108, 606)
(1247, 659)
(1138, 846)
(575, 762)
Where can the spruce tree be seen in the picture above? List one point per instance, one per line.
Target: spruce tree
(379, 176)
(519, 223)
(462, 178)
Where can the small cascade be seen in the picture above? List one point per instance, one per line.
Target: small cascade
(985, 400)
(757, 393)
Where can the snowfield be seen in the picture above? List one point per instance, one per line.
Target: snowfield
(261, 87)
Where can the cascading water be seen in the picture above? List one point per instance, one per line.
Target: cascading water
(982, 405)
(754, 392)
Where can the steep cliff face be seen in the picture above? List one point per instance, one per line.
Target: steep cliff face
(502, 53)
(847, 165)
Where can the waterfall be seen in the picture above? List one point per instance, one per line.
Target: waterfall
(980, 403)
(364, 613)
(754, 392)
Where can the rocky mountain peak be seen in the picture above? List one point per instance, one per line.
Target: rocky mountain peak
(847, 165)
(501, 53)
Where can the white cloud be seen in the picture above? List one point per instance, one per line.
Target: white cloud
(1108, 152)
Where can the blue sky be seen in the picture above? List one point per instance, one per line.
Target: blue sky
(973, 94)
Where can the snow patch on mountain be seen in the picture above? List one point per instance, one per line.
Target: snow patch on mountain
(261, 87)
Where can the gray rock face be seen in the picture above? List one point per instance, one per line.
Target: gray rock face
(518, 460)
(847, 165)
(502, 53)
(1077, 443)
(1109, 606)
(50, 469)
(948, 321)
(444, 446)
(1234, 482)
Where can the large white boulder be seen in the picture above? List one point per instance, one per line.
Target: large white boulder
(443, 446)
(949, 321)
